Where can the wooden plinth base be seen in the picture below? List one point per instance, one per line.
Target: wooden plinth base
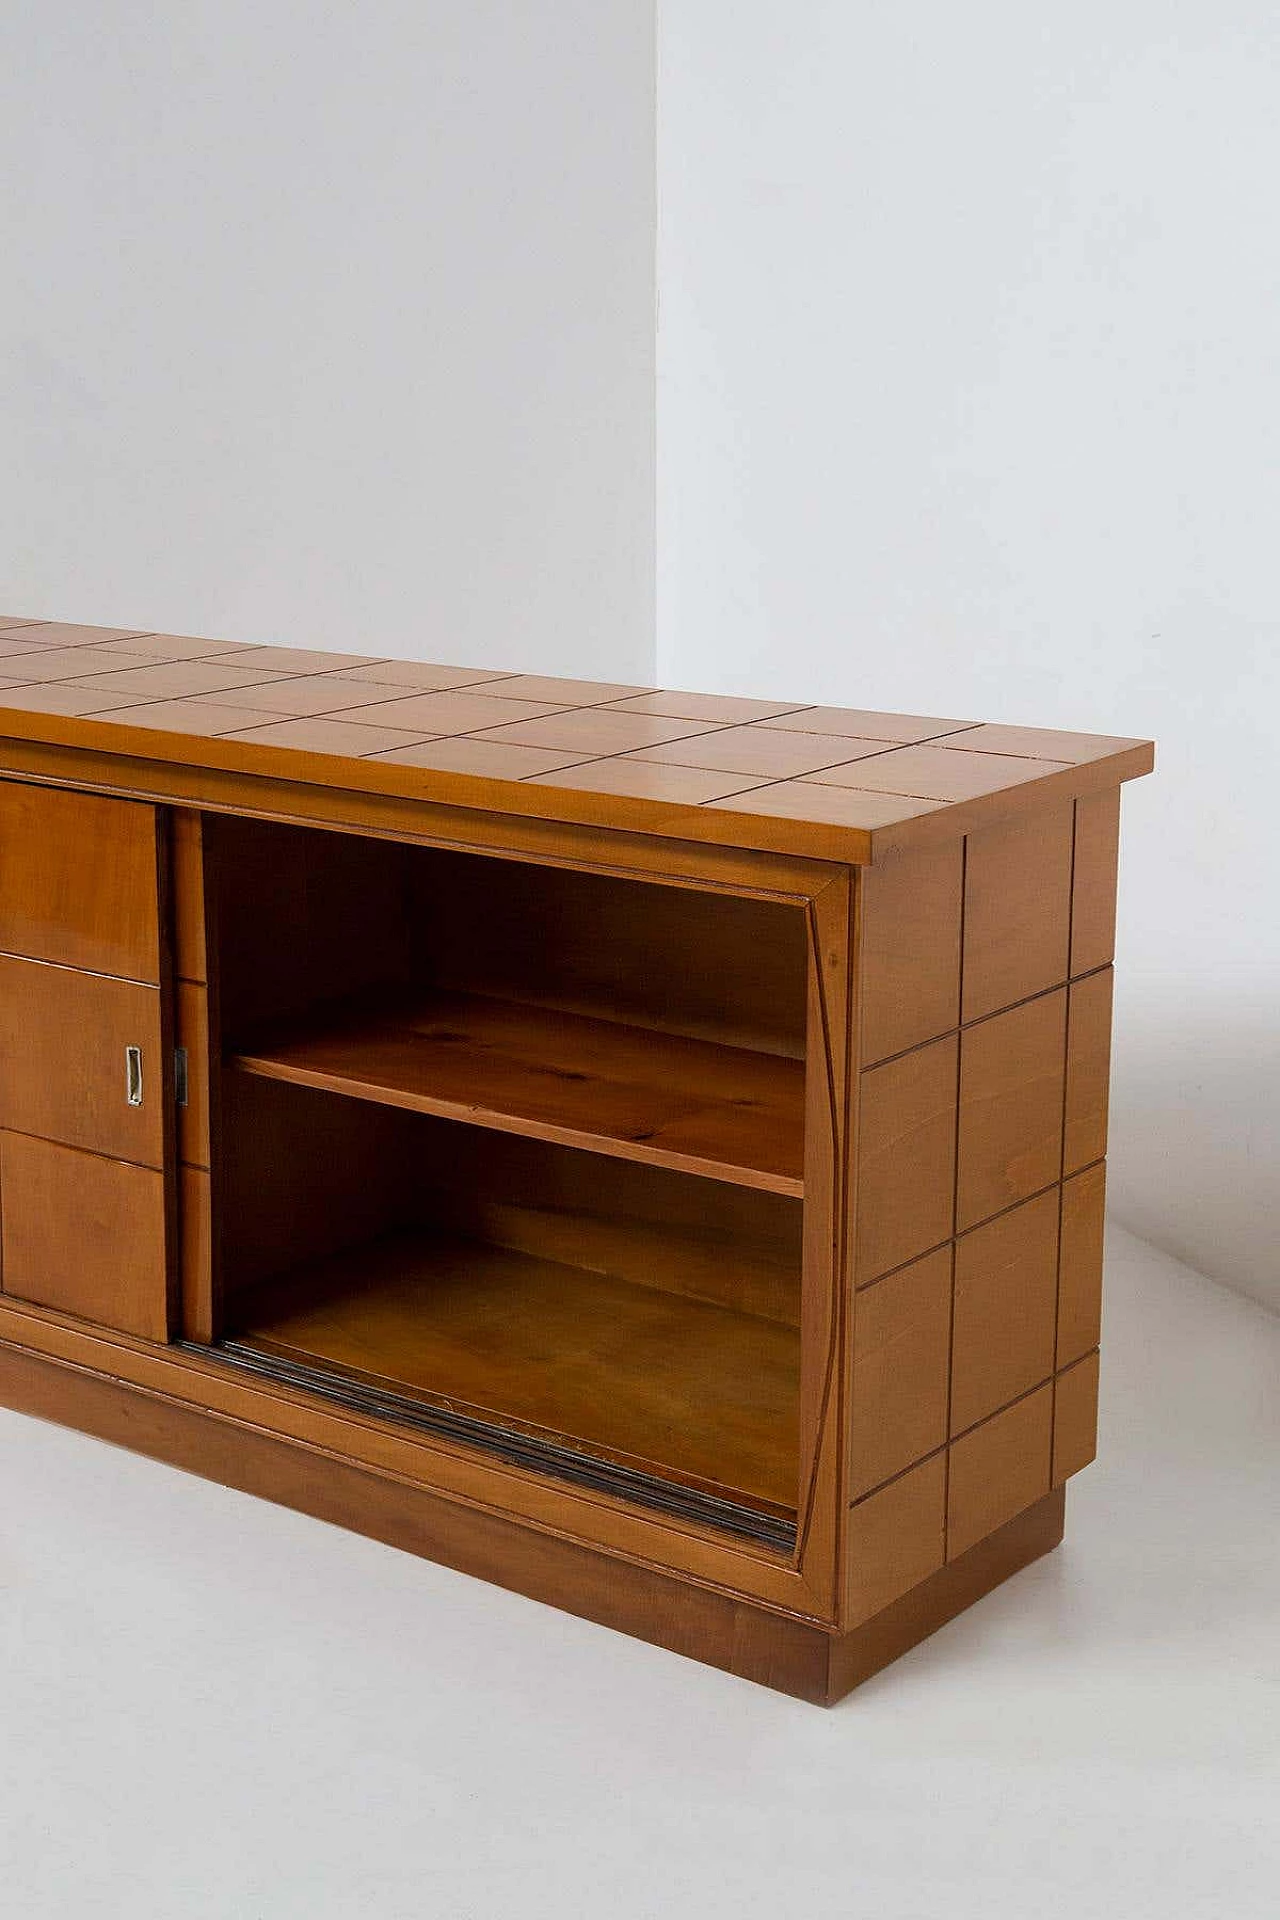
(793, 1656)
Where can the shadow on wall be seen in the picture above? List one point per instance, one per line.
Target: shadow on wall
(1195, 1131)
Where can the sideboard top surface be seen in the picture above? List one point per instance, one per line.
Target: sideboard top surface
(824, 782)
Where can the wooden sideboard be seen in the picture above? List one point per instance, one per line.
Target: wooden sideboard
(645, 1149)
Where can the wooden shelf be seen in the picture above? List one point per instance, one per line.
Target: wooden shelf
(655, 1395)
(630, 1092)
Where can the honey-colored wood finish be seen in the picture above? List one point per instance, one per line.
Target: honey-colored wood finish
(643, 1147)
(64, 1037)
(84, 1234)
(1005, 1309)
(1017, 911)
(1088, 1071)
(1080, 1271)
(1093, 899)
(78, 881)
(885, 798)
(622, 1090)
(965, 1578)
(901, 1371)
(1011, 1076)
(731, 1246)
(906, 1168)
(192, 1035)
(1075, 1418)
(187, 854)
(654, 1378)
(773, 1648)
(196, 1310)
(897, 1538)
(911, 908)
(999, 1469)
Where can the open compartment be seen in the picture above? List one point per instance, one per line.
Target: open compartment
(647, 1022)
(515, 1154)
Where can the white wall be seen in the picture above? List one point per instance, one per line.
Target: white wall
(332, 324)
(969, 389)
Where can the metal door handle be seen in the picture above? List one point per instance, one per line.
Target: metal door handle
(133, 1076)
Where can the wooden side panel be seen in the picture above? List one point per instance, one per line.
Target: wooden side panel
(1013, 1268)
(1093, 911)
(1006, 1288)
(896, 1538)
(79, 881)
(910, 949)
(906, 1158)
(1017, 911)
(1080, 1272)
(1088, 1071)
(63, 1041)
(999, 1469)
(1075, 1418)
(900, 1371)
(855, 1656)
(1011, 1070)
(84, 1235)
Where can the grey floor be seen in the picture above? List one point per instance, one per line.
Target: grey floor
(210, 1707)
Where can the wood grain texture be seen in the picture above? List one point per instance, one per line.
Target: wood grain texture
(278, 892)
(63, 1037)
(719, 1629)
(383, 797)
(657, 1380)
(197, 1314)
(900, 1371)
(192, 1033)
(1005, 1304)
(361, 708)
(1075, 1418)
(763, 752)
(1039, 743)
(1097, 853)
(460, 1472)
(906, 1158)
(1088, 1071)
(911, 909)
(660, 1099)
(1094, 880)
(710, 965)
(299, 1177)
(1011, 1081)
(186, 854)
(896, 1538)
(1017, 912)
(856, 1656)
(84, 1235)
(728, 1245)
(999, 1469)
(1080, 1266)
(474, 879)
(825, 1316)
(78, 881)
(942, 771)
(716, 1628)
